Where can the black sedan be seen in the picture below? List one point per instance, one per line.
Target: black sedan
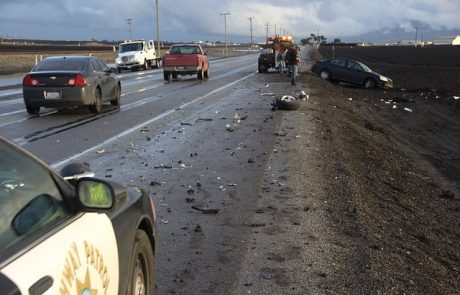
(72, 233)
(350, 71)
(69, 81)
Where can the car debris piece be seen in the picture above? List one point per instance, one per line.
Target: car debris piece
(238, 118)
(100, 152)
(231, 128)
(456, 97)
(408, 110)
(300, 94)
(267, 94)
(203, 119)
(163, 167)
(185, 124)
(205, 210)
(281, 133)
(198, 229)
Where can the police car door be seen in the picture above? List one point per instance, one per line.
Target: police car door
(44, 247)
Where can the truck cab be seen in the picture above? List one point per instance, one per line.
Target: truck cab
(271, 49)
(136, 54)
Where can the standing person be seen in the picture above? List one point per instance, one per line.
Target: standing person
(280, 60)
(292, 59)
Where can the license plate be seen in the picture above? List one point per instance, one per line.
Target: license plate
(52, 94)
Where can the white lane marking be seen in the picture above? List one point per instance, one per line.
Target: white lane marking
(10, 92)
(59, 164)
(141, 90)
(12, 101)
(11, 113)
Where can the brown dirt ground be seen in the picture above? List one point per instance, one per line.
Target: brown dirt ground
(394, 179)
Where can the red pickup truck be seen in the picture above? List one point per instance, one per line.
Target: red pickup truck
(185, 59)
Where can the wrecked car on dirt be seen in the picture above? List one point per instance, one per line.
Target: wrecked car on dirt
(350, 71)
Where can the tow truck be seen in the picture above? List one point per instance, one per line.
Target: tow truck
(271, 49)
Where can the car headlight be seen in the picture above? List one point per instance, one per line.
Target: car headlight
(383, 78)
(118, 60)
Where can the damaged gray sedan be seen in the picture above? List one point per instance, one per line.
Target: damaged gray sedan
(350, 71)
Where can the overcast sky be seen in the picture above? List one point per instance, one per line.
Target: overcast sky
(191, 20)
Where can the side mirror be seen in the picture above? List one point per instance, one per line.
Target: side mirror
(74, 171)
(95, 193)
(35, 214)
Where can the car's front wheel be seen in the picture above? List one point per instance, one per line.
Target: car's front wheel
(325, 75)
(97, 105)
(32, 109)
(142, 270)
(200, 74)
(369, 83)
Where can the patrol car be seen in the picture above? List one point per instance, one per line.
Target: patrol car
(71, 235)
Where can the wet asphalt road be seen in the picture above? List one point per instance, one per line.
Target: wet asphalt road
(199, 147)
(146, 98)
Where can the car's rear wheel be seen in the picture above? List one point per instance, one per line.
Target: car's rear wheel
(206, 74)
(369, 83)
(97, 105)
(146, 65)
(166, 75)
(32, 109)
(116, 100)
(325, 75)
(142, 270)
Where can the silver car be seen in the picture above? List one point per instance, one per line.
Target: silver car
(69, 81)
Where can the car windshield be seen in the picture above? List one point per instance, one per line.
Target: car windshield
(365, 68)
(29, 197)
(130, 47)
(61, 64)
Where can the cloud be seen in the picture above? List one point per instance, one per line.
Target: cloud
(201, 19)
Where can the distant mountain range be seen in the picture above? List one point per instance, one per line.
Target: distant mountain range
(399, 35)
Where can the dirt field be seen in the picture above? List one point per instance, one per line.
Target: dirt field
(392, 159)
(14, 63)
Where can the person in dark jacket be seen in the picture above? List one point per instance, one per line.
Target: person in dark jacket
(292, 58)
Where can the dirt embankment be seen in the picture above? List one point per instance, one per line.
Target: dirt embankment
(392, 166)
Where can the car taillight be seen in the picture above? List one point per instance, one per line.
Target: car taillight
(78, 80)
(30, 82)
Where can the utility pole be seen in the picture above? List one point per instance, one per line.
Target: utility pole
(225, 26)
(129, 21)
(252, 39)
(158, 30)
(416, 31)
(267, 26)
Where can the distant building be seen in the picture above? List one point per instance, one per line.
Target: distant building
(456, 41)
